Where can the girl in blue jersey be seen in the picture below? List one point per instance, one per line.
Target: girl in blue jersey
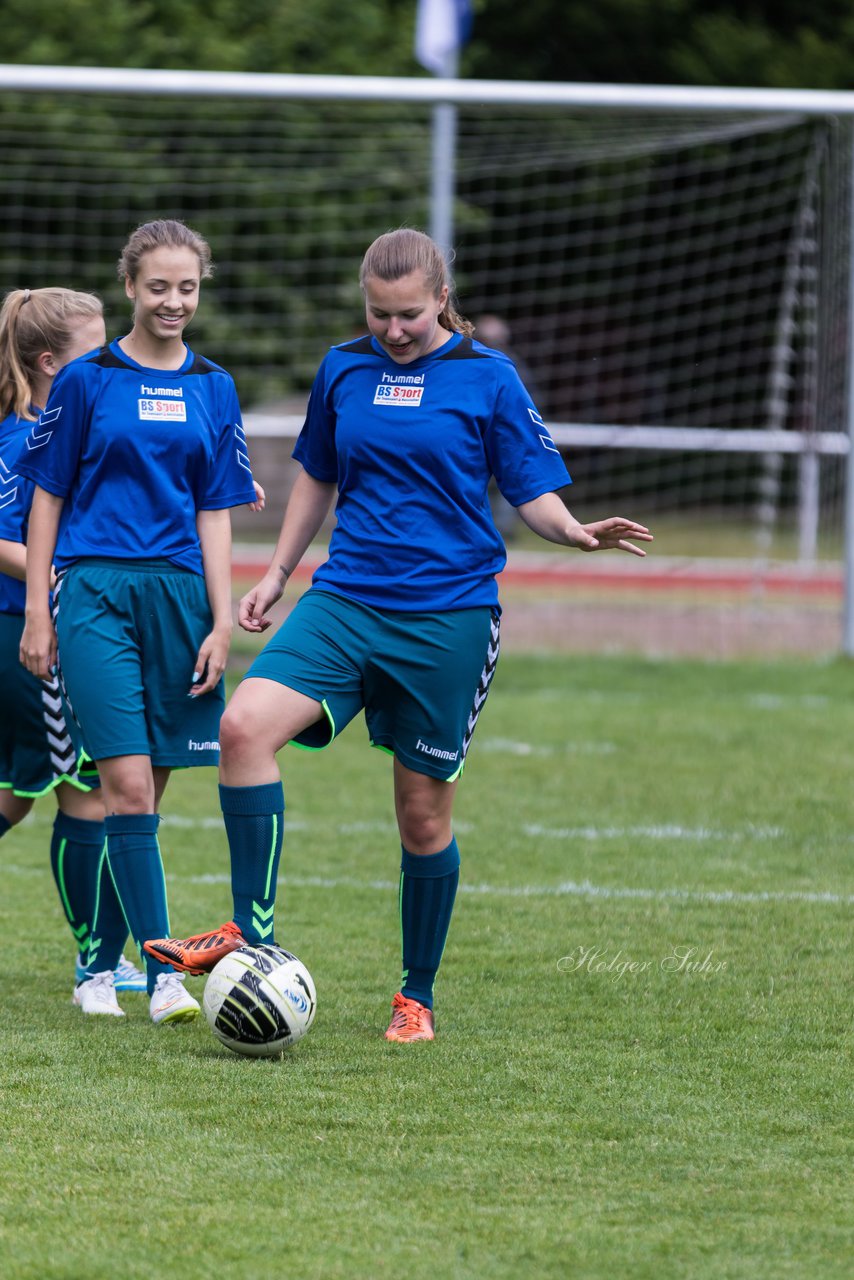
(406, 426)
(137, 460)
(40, 331)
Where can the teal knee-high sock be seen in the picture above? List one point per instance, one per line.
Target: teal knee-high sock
(253, 822)
(78, 863)
(428, 887)
(136, 867)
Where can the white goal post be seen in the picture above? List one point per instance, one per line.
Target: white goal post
(672, 266)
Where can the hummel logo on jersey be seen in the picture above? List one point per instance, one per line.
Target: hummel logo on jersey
(38, 439)
(545, 440)
(161, 391)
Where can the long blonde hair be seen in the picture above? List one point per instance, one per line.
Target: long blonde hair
(33, 321)
(398, 253)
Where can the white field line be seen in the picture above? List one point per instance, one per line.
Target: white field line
(566, 889)
(667, 831)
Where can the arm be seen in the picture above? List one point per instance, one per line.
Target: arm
(307, 508)
(38, 643)
(550, 518)
(215, 538)
(13, 559)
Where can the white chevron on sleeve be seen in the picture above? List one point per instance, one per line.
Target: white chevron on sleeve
(38, 439)
(242, 455)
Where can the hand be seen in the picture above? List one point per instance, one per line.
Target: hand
(260, 498)
(252, 610)
(612, 534)
(37, 650)
(210, 662)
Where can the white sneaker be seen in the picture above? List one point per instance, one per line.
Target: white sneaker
(170, 1002)
(126, 976)
(98, 995)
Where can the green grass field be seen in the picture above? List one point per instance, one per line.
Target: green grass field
(644, 1020)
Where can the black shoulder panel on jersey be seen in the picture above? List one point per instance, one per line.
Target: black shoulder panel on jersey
(464, 351)
(359, 347)
(200, 365)
(107, 360)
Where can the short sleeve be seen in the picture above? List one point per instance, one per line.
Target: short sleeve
(315, 447)
(523, 457)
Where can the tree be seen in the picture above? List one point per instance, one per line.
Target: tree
(776, 43)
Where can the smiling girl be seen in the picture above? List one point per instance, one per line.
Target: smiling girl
(137, 460)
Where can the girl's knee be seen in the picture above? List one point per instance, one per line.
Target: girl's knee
(235, 732)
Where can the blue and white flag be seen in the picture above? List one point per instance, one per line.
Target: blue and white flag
(441, 29)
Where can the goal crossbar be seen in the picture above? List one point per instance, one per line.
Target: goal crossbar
(246, 84)
(680, 439)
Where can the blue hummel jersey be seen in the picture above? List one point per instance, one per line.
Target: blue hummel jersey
(412, 448)
(16, 496)
(138, 452)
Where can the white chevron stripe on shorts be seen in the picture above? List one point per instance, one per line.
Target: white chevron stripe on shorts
(62, 754)
(492, 652)
(63, 757)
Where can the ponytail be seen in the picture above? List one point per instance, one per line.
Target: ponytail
(33, 322)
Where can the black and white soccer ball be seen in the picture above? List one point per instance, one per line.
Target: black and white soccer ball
(259, 1000)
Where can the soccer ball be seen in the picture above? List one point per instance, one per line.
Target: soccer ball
(259, 1000)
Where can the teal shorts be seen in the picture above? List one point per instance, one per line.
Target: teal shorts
(421, 678)
(40, 746)
(129, 632)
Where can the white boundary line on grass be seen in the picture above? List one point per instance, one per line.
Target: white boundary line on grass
(567, 889)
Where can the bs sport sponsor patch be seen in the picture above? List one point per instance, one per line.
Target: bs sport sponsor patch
(162, 410)
(398, 395)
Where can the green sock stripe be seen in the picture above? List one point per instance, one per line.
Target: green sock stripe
(405, 973)
(163, 882)
(60, 875)
(272, 854)
(93, 942)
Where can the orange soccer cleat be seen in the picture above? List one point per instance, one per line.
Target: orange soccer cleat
(199, 953)
(410, 1020)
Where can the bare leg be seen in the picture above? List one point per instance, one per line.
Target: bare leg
(13, 808)
(423, 806)
(260, 718)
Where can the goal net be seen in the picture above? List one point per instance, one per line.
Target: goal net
(673, 285)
